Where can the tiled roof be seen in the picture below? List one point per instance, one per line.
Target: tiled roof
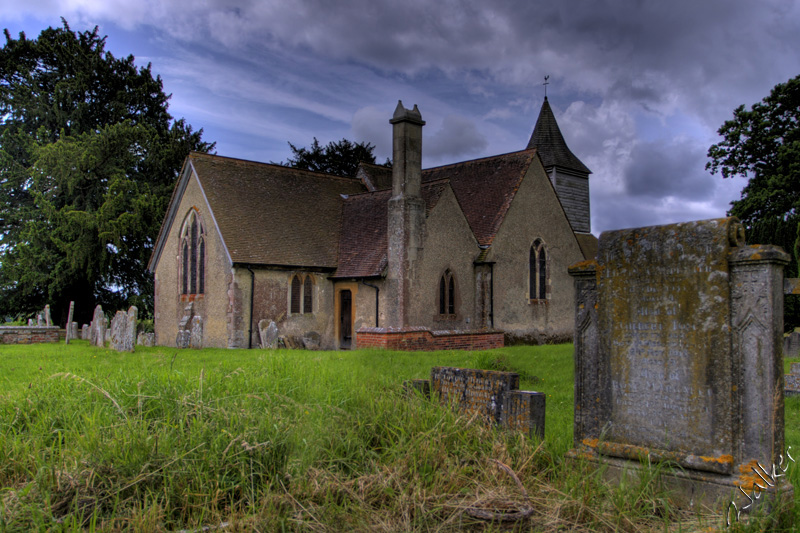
(363, 238)
(376, 177)
(552, 148)
(588, 244)
(484, 188)
(250, 201)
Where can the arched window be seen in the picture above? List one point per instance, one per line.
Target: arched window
(447, 294)
(537, 266)
(307, 295)
(193, 255)
(296, 289)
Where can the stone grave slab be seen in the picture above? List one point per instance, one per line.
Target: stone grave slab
(792, 387)
(473, 391)
(678, 339)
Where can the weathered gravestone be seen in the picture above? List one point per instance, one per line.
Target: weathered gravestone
(47, 320)
(196, 335)
(85, 332)
(70, 335)
(791, 343)
(678, 333)
(123, 330)
(97, 330)
(268, 333)
(73, 331)
(793, 381)
(183, 338)
(145, 338)
(489, 394)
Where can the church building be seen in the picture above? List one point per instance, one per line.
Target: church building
(468, 255)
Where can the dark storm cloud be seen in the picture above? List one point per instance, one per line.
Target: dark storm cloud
(662, 169)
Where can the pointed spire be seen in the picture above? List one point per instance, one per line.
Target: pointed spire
(552, 147)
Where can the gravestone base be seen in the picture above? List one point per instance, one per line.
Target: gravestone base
(690, 489)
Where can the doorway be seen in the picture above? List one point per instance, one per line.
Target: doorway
(345, 320)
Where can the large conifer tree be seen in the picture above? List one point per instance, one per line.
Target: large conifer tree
(88, 158)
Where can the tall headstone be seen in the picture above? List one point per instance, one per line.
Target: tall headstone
(85, 332)
(69, 323)
(196, 333)
(47, 321)
(73, 332)
(131, 320)
(678, 333)
(117, 331)
(97, 330)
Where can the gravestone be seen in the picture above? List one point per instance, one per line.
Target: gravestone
(117, 330)
(129, 337)
(97, 330)
(268, 333)
(791, 343)
(312, 340)
(73, 331)
(678, 333)
(146, 338)
(47, 321)
(85, 332)
(70, 335)
(31, 323)
(39, 320)
(196, 334)
(488, 394)
(792, 379)
(185, 327)
(478, 392)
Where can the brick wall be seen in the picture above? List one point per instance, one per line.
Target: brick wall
(422, 339)
(28, 334)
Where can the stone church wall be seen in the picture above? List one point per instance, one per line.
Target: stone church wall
(212, 306)
(534, 213)
(448, 243)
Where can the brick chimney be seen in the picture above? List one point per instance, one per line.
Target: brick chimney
(406, 212)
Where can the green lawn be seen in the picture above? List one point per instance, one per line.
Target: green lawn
(166, 439)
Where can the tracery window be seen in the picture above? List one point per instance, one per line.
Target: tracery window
(193, 255)
(537, 267)
(302, 295)
(447, 294)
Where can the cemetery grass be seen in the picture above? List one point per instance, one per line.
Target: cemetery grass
(165, 440)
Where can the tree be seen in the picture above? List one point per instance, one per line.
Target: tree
(340, 158)
(763, 145)
(88, 158)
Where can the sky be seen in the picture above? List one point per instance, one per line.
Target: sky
(639, 88)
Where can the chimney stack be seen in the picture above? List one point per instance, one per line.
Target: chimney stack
(406, 212)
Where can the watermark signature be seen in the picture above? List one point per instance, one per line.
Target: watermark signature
(770, 478)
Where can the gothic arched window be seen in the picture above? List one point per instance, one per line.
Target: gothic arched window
(296, 290)
(308, 286)
(537, 269)
(193, 255)
(447, 294)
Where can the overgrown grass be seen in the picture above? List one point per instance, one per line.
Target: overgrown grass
(166, 439)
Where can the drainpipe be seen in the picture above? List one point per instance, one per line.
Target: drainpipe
(377, 294)
(252, 296)
(491, 295)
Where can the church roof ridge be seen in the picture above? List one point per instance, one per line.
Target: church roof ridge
(553, 149)
(250, 162)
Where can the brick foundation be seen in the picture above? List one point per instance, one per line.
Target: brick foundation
(423, 339)
(28, 334)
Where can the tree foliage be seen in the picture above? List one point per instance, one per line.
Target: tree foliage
(88, 158)
(340, 158)
(763, 145)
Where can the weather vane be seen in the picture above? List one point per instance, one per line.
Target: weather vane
(546, 83)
